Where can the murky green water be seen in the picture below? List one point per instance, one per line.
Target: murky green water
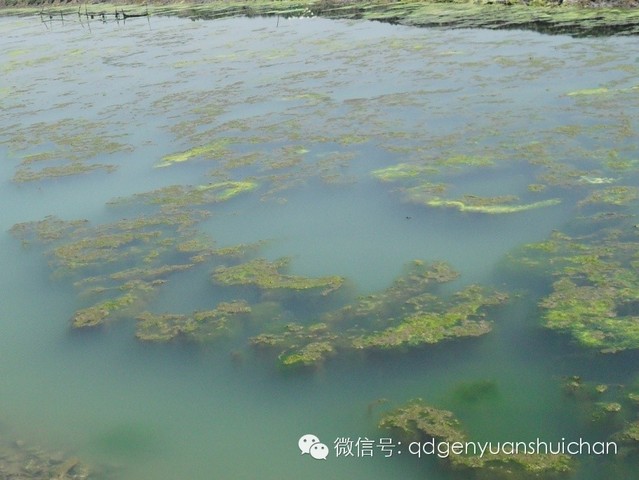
(307, 109)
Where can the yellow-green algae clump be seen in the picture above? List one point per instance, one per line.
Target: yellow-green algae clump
(463, 316)
(301, 346)
(135, 256)
(264, 274)
(419, 183)
(62, 148)
(595, 284)
(417, 282)
(490, 205)
(203, 325)
(79, 250)
(191, 195)
(213, 150)
(408, 313)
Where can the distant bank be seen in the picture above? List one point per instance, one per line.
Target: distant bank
(569, 17)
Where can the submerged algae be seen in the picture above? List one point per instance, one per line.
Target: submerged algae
(190, 195)
(594, 285)
(49, 229)
(618, 195)
(154, 244)
(300, 346)
(630, 435)
(476, 391)
(200, 325)
(212, 151)
(462, 316)
(266, 275)
(591, 314)
(97, 314)
(416, 281)
(75, 142)
(27, 174)
(27, 461)
(418, 186)
(408, 313)
(418, 421)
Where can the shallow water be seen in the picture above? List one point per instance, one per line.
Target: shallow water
(356, 97)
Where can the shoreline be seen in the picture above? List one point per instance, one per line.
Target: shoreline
(573, 17)
(586, 4)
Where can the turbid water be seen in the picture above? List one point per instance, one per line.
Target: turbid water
(308, 110)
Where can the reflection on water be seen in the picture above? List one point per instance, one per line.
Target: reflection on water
(350, 149)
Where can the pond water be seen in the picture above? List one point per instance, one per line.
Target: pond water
(311, 112)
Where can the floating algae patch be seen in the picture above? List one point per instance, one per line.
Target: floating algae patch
(239, 251)
(606, 411)
(589, 91)
(156, 245)
(189, 195)
(28, 174)
(267, 275)
(419, 186)
(461, 161)
(150, 273)
(561, 174)
(49, 229)
(408, 313)
(629, 437)
(418, 279)
(285, 157)
(201, 326)
(100, 250)
(590, 313)
(594, 284)
(601, 91)
(403, 171)
(617, 195)
(286, 140)
(464, 315)
(99, 313)
(616, 164)
(62, 148)
(20, 60)
(494, 205)
(596, 180)
(419, 422)
(609, 408)
(212, 151)
(300, 346)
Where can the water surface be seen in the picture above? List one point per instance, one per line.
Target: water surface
(309, 108)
